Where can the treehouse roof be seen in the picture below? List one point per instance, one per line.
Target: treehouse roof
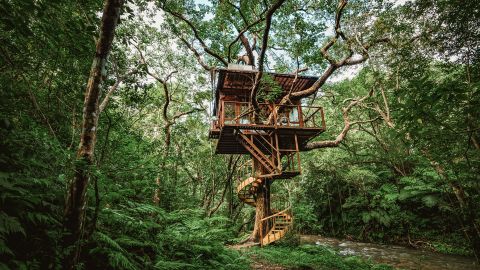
(239, 82)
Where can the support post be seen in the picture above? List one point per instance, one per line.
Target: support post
(298, 153)
(262, 206)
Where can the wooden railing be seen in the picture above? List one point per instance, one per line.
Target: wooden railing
(270, 115)
(279, 223)
(277, 214)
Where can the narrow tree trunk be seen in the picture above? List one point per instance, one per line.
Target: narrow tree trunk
(76, 196)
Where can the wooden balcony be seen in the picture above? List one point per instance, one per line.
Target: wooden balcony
(241, 115)
(286, 121)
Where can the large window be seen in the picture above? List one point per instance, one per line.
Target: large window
(229, 112)
(293, 116)
(244, 114)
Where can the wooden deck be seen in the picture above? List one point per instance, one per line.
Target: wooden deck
(228, 144)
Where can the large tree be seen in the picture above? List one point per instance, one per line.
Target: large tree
(76, 195)
(237, 31)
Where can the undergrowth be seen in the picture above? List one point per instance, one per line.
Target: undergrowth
(311, 257)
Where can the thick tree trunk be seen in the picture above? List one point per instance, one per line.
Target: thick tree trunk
(76, 196)
(262, 207)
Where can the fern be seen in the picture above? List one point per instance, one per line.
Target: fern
(119, 261)
(107, 241)
(4, 249)
(9, 225)
(173, 265)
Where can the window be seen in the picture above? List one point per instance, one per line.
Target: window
(229, 112)
(293, 116)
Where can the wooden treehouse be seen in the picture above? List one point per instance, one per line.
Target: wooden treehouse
(273, 136)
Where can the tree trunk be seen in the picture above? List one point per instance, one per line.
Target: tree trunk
(75, 204)
(262, 207)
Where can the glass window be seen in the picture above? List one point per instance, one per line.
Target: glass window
(294, 116)
(245, 119)
(229, 112)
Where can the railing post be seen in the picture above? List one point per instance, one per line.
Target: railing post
(274, 115)
(261, 233)
(300, 116)
(222, 117)
(278, 152)
(298, 153)
(323, 119)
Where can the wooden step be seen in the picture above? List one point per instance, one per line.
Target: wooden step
(256, 153)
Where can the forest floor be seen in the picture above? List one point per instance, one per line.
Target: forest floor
(317, 252)
(258, 264)
(277, 257)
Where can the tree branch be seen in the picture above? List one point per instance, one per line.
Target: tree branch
(347, 125)
(261, 19)
(113, 88)
(248, 49)
(261, 58)
(347, 60)
(197, 54)
(196, 34)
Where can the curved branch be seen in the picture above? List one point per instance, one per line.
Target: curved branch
(197, 54)
(348, 60)
(261, 19)
(261, 58)
(196, 34)
(347, 125)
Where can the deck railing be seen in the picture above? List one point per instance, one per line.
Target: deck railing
(236, 113)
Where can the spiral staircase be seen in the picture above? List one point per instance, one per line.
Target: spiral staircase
(263, 150)
(272, 132)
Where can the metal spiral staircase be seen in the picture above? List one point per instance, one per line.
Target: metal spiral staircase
(263, 150)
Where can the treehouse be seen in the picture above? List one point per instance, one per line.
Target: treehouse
(273, 135)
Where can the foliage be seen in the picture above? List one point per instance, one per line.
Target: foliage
(311, 257)
(142, 236)
(408, 177)
(31, 188)
(270, 90)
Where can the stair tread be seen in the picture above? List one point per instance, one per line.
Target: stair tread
(249, 186)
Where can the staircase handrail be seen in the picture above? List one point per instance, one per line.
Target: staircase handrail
(277, 214)
(246, 139)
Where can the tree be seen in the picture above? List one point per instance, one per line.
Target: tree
(237, 21)
(76, 194)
